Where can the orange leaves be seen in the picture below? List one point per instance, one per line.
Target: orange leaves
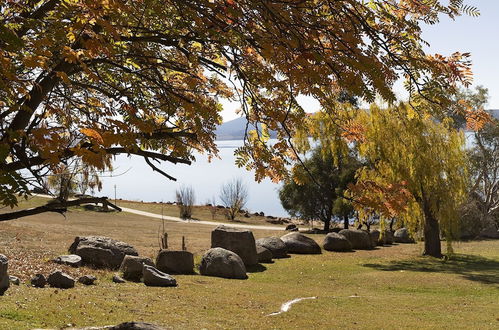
(92, 134)
(457, 67)
(476, 120)
(354, 131)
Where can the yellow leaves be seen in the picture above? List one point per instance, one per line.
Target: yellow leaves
(63, 76)
(92, 134)
(35, 61)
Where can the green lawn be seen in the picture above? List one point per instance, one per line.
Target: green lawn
(387, 288)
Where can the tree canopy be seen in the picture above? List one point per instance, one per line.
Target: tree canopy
(91, 79)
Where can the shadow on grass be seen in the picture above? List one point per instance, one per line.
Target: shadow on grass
(471, 267)
(258, 268)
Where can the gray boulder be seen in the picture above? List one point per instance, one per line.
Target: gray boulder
(220, 262)
(175, 262)
(4, 275)
(264, 255)
(241, 242)
(132, 267)
(359, 239)
(39, 281)
(274, 245)
(72, 260)
(153, 277)
(14, 280)
(490, 231)
(402, 236)
(387, 238)
(291, 227)
(101, 252)
(118, 279)
(60, 280)
(298, 243)
(87, 279)
(336, 242)
(375, 237)
(136, 326)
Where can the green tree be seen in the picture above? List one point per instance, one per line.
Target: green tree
(316, 190)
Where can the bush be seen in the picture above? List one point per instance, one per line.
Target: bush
(185, 199)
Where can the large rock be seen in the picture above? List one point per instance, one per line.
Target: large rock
(136, 326)
(241, 242)
(220, 262)
(490, 231)
(175, 262)
(153, 277)
(387, 237)
(274, 245)
(38, 281)
(101, 252)
(4, 275)
(402, 236)
(359, 239)
(299, 243)
(264, 255)
(72, 260)
(375, 237)
(336, 242)
(132, 267)
(60, 280)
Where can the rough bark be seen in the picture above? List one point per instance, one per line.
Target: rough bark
(432, 245)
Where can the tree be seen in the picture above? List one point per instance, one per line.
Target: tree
(89, 79)
(185, 198)
(417, 171)
(234, 195)
(316, 189)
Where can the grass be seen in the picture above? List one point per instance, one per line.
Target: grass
(389, 287)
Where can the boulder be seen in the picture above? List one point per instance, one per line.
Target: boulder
(118, 279)
(299, 243)
(135, 326)
(402, 236)
(336, 242)
(241, 242)
(375, 237)
(4, 275)
(153, 277)
(60, 280)
(38, 281)
(387, 237)
(359, 239)
(14, 280)
(264, 255)
(490, 231)
(274, 245)
(220, 262)
(101, 252)
(291, 227)
(132, 267)
(175, 262)
(72, 260)
(87, 279)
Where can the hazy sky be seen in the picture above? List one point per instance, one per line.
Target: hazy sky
(477, 35)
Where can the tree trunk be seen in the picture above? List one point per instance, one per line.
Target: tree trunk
(431, 235)
(327, 223)
(345, 222)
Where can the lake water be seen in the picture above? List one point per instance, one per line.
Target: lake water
(140, 183)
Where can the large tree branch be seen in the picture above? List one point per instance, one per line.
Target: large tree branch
(56, 206)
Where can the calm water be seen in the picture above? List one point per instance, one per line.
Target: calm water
(140, 183)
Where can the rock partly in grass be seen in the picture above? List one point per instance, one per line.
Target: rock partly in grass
(14, 280)
(291, 227)
(101, 252)
(60, 280)
(4, 276)
(239, 241)
(274, 245)
(87, 279)
(39, 281)
(402, 236)
(72, 260)
(132, 267)
(264, 255)
(154, 277)
(299, 243)
(136, 326)
(336, 242)
(220, 262)
(359, 239)
(118, 279)
(175, 262)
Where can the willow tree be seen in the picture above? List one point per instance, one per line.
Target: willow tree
(91, 79)
(417, 170)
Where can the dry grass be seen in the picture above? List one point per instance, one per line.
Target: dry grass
(390, 287)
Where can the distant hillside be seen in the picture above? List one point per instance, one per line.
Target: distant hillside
(234, 130)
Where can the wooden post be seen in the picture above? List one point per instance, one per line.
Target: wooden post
(183, 244)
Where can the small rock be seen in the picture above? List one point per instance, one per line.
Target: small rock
(153, 277)
(60, 280)
(118, 279)
(132, 267)
(87, 279)
(291, 227)
(38, 281)
(4, 276)
(72, 260)
(14, 280)
(136, 326)
(264, 255)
